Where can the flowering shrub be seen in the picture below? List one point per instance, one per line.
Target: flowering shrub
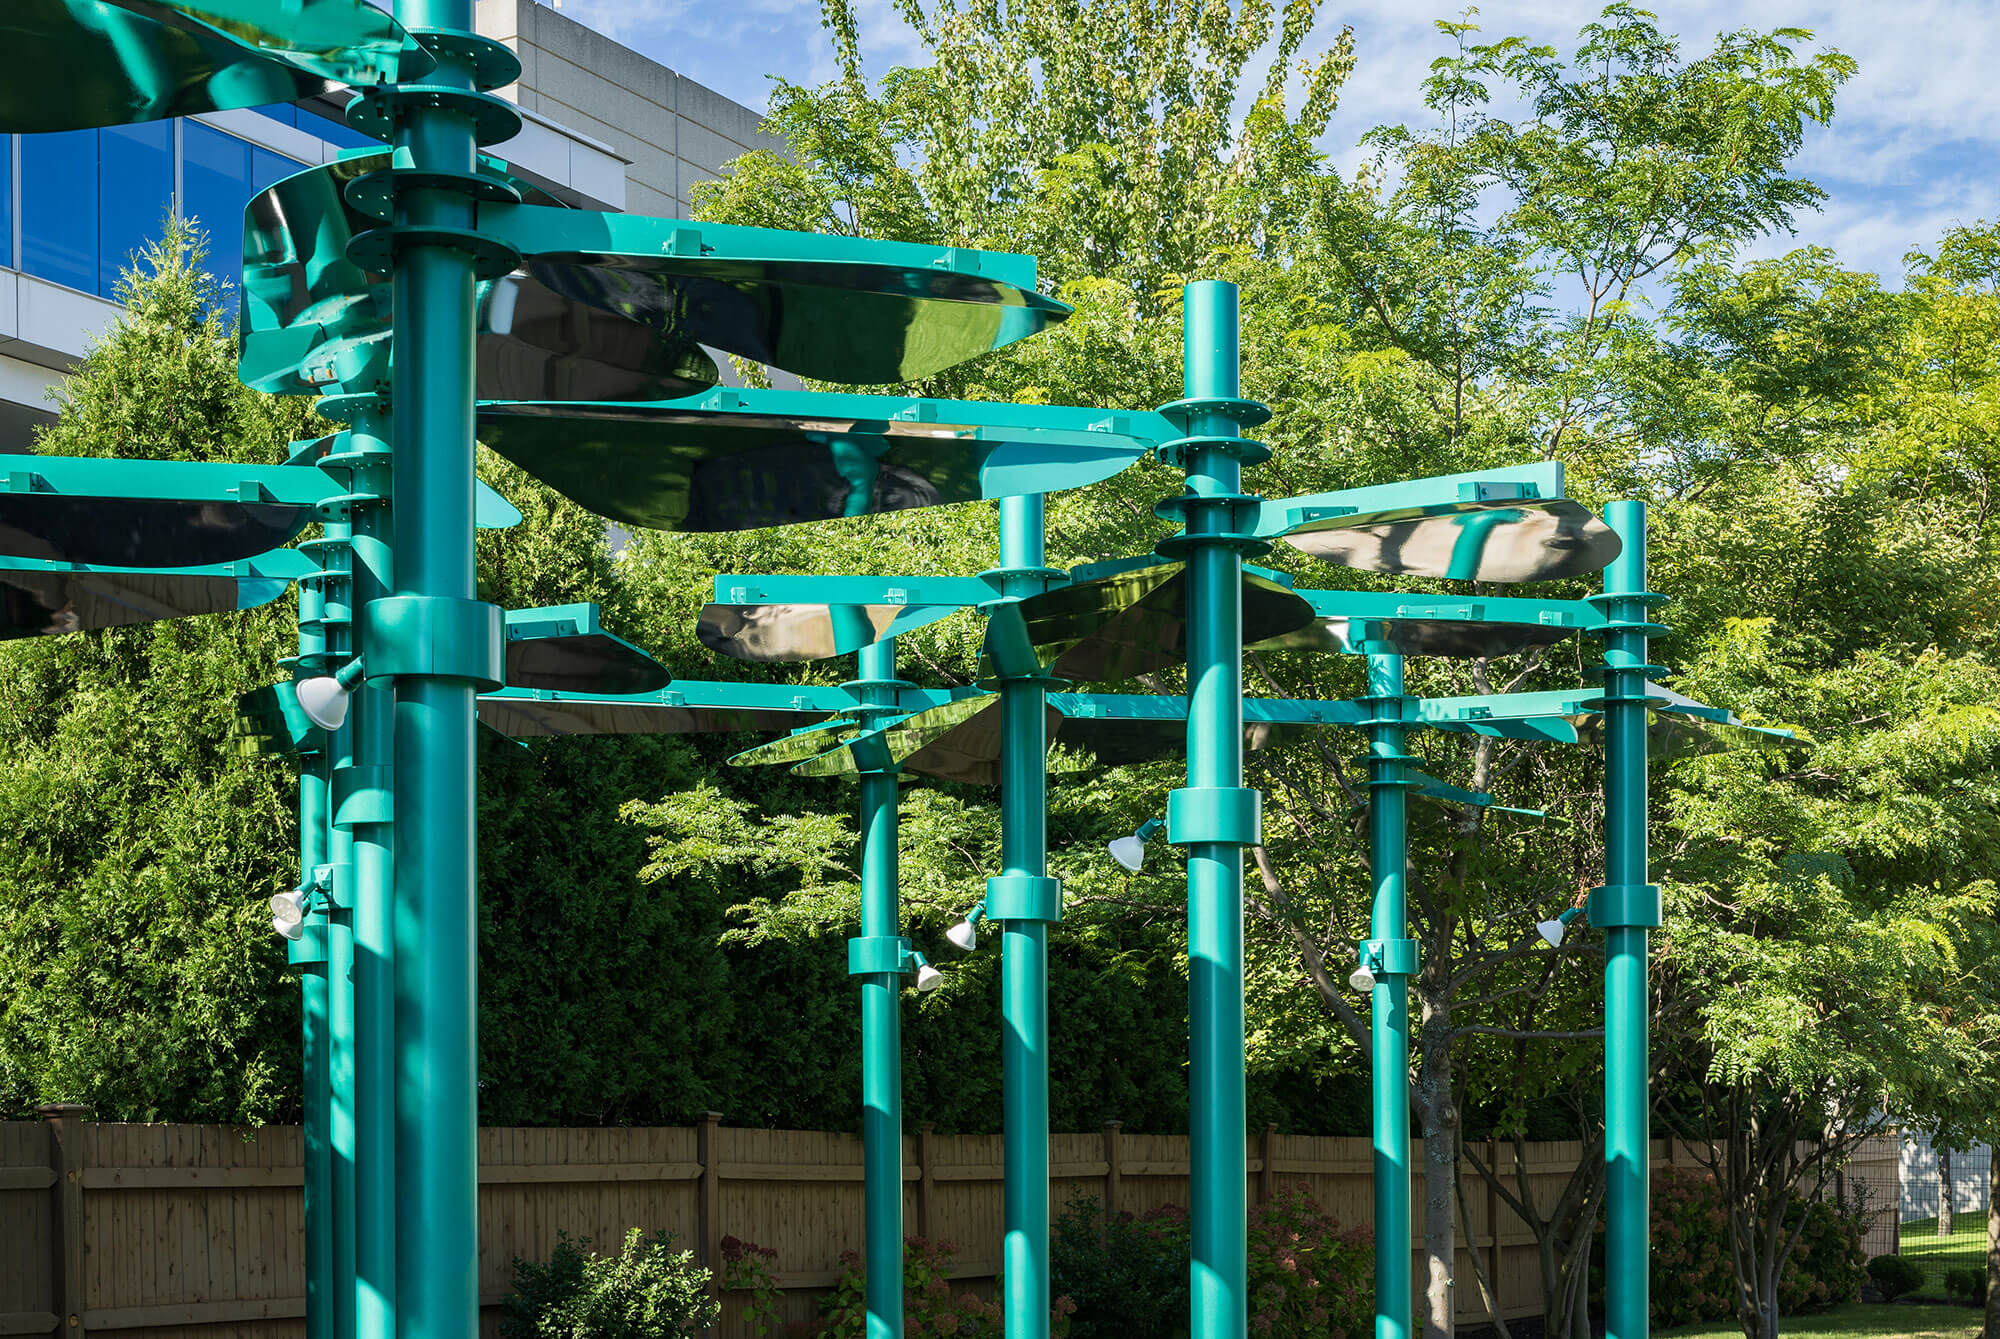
(931, 1310)
(1828, 1265)
(1129, 1276)
(646, 1291)
(1307, 1277)
(1693, 1279)
(746, 1268)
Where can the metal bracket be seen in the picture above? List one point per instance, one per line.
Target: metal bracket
(879, 955)
(1023, 897)
(1626, 906)
(1215, 814)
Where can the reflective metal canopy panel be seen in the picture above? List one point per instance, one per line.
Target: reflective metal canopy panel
(856, 311)
(1677, 726)
(1524, 540)
(43, 602)
(1131, 623)
(1454, 638)
(74, 64)
(798, 746)
(310, 318)
(532, 717)
(270, 722)
(959, 741)
(593, 662)
(790, 632)
(135, 532)
(736, 460)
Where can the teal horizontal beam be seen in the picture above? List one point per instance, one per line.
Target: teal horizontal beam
(1543, 480)
(557, 620)
(278, 565)
(1391, 605)
(1143, 427)
(168, 480)
(804, 698)
(538, 230)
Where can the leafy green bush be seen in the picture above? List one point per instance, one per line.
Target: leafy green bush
(1966, 1282)
(1827, 1266)
(1127, 1277)
(1894, 1276)
(931, 1310)
(646, 1291)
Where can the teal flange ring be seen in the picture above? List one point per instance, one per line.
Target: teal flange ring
(493, 64)
(878, 955)
(1245, 413)
(374, 193)
(1398, 957)
(1244, 450)
(375, 250)
(494, 120)
(348, 405)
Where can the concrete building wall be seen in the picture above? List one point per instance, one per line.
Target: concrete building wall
(672, 131)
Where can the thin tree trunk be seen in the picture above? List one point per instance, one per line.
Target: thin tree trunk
(1434, 1105)
(1944, 1191)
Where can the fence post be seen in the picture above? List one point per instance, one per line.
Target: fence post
(708, 1206)
(1111, 1129)
(924, 1178)
(66, 1161)
(1267, 1152)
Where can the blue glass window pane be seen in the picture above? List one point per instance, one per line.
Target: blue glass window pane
(267, 169)
(336, 133)
(135, 174)
(59, 207)
(6, 200)
(215, 185)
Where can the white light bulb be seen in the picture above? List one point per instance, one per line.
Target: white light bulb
(1362, 979)
(324, 701)
(963, 936)
(292, 930)
(929, 978)
(1129, 852)
(1552, 931)
(288, 908)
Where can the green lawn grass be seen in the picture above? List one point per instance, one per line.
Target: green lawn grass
(1862, 1320)
(1965, 1246)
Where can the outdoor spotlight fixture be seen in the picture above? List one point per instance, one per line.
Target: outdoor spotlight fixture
(964, 936)
(1553, 931)
(1361, 979)
(1130, 852)
(324, 699)
(290, 909)
(929, 978)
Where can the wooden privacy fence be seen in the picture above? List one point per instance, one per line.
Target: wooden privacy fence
(197, 1231)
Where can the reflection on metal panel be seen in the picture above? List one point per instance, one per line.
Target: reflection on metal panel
(129, 532)
(74, 64)
(529, 718)
(792, 632)
(594, 662)
(1132, 623)
(1470, 541)
(41, 603)
(1454, 638)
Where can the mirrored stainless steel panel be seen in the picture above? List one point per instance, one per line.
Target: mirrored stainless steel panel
(799, 746)
(74, 64)
(529, 718)
(34, 604)
(959, 741)
(858, 325)
(1133, 623)
(787, 632)
(1453, 638)
(1470, 541)
(583, 663)
(689, 468)
(129, 532)
(311, 318)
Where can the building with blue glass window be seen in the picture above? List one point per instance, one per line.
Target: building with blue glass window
(606, 128)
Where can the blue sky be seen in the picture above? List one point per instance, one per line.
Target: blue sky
(1914, 146)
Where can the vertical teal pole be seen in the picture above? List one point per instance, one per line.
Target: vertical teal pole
(881, 977)
(1391, 956)
(1625, 908)
(362, 811)
(1022, 901)
(435, 915)
(309, 955)
(338, 618)
(1214, 817)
